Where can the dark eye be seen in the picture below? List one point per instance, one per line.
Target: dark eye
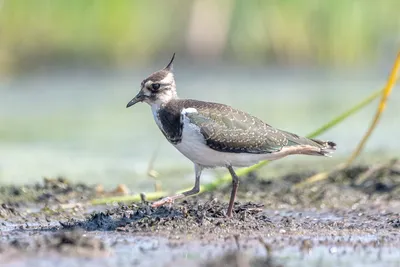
(155, 86)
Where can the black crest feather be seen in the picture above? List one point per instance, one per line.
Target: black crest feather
(170, 66)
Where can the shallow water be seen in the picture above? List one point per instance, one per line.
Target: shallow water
(128, 250)
(74, 122)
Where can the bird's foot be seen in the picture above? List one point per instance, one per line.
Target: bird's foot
(228, 216)
(163, 201)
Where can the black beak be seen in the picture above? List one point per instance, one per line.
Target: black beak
(138, 98)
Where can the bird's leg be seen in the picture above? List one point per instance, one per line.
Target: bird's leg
(196, 189)
(235, 184)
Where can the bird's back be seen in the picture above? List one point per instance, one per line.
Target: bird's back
(226, 129)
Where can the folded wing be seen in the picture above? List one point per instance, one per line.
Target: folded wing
(238, 132)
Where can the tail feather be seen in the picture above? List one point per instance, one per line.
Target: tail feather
(326, 147)
(310, 146)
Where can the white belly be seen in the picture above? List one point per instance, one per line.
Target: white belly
(193, 146)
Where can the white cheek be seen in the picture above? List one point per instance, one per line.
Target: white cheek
(163, 96)
(146, 92)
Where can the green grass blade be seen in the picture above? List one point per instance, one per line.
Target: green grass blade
(126, 198)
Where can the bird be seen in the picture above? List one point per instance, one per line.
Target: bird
(216, 135)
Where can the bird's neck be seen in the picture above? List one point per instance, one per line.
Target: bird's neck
(155, 109)
(157, 105)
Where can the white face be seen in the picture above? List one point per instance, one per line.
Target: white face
(158, 92)
(158, 89)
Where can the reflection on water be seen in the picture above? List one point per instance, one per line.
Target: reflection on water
(158, 251)
(75, 123)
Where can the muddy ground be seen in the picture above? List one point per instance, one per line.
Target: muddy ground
(350, 219)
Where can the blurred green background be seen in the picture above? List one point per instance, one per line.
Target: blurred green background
(68, 68)
(122, 33)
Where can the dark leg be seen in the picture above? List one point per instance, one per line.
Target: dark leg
(196, 189)
(235, 184)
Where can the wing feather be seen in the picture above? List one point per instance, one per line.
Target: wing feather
(236, 133)
(227, 129)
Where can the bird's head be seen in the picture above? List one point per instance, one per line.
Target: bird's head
(157, 89)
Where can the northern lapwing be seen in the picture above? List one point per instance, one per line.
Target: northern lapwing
(217, 135)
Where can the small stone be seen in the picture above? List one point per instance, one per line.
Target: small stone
(333, 250)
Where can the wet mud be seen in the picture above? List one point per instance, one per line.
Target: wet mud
(50, 190)
(338, 221)
(66, 243)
